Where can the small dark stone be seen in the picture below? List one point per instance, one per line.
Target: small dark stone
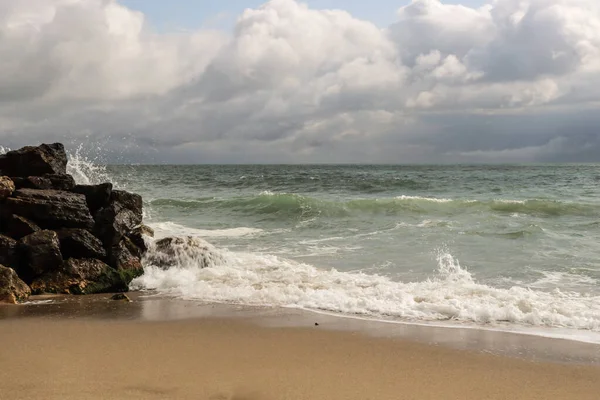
(12, 289)
(8, 252)
(48, 181)
(50, 209)
(7, 187)
(81, 276)
(18, 227)
(35, 161)
(39, 253)
(316, 324)
(120, 297)
(79, 243)
(97, 196)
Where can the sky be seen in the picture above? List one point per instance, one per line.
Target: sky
(317, 81)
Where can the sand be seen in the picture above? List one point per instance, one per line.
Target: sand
(217, 359)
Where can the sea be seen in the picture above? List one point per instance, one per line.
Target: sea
(503, 247)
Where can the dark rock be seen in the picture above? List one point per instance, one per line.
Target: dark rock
(35, 161)
(7, 187)
(17, 227)
(97, 196)
(120, 297)
(137, 237)
(8, 251)
(39, 253)
(116, 220)
(81, 276)
(12, 289)
(122, 257)
(181, 251)
(51, 209)
(48, 181)
(79, 243)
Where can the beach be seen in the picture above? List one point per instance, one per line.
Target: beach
(98, 349)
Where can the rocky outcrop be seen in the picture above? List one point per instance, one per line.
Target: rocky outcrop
(180, 251)
(7, 187)
(60, 237)
(16, 226)
(51, 209)
(81, 276)
(48, 181)
(12, 289)
(35, 161)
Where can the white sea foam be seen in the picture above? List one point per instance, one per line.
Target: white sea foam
(451, 294)
(432, 199)
(164, 229)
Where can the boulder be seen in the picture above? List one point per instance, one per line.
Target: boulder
(81, 276)
(120, 297)
(182, 251)
(12, 289)
(125, 258)
(39, 253)
(7, 187)
(118, 218)
(79, 243)
(97, 196)
(35, 161)
(51, 209)
(48, 181)
(8, 251)
(138, 237)
(17, 227)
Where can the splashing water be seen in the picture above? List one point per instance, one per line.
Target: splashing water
(86, 170)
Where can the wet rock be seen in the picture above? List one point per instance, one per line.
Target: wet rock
(12, 289)
(39, 253)
(8, 251)
(35, 161)
(7, 187)
(120, 217)
(48, 181)
(182, 251)
(123, 257)
(120, 297)
(97, 196)
(79, 243)
(17, 227)
(51, 209)
(138, 237)
(81, 276)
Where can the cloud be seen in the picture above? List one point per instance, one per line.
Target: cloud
(509, 81)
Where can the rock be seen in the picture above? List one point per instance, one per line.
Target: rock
(182, 251)
(35, 161)
(120, 297)
(8, 251)
(116, 220)
(97, 196)
(51, 209)
(7, 187)
(79, 243)
(138, 235)
(123, 258)
(17, 227)
(12, 289)
(39, 253)
(81, 276)
(48, 181)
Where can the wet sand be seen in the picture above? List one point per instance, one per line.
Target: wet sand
(163, 349)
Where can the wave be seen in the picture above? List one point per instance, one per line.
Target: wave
(451, 294)
(277, 205)
(163, 229)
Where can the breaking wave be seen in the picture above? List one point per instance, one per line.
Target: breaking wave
(450, 294)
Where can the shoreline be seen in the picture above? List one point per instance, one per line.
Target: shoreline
(249, 355)
(154, 308)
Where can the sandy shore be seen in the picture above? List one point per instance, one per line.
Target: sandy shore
(63, 355)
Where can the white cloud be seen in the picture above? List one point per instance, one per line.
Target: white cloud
(292, 83)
